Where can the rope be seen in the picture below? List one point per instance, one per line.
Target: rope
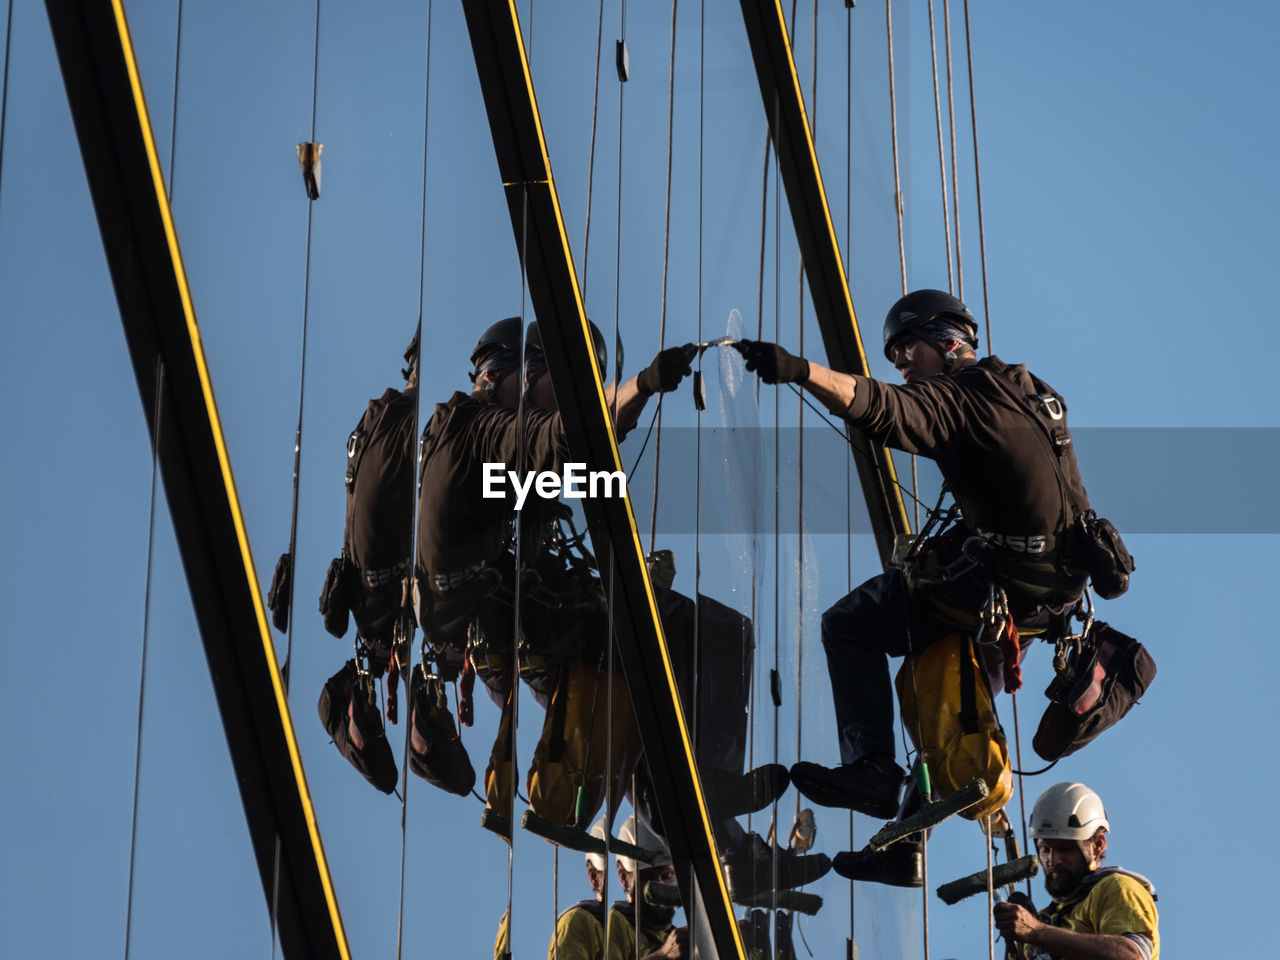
(666, 249)
(800, 579)
(146, 631)
(407, 638)
(1022, 790)
(942, 163)
(902, 250)
(297, 458)
(591, 160)
(955, 173)
(893, 125)
(991, 893)
(173, 128)
(302, 377)
(977, 177)
(848, 461)
(4, 84)
(607, 779)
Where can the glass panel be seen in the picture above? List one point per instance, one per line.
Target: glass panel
(308, 306)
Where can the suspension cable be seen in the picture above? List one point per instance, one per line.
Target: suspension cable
(4, 84)
(607, 779)
(893, 125)
(942, 162)
(666, 250)
(848, 270)
(977, 177)
(297, 459)
(146, 632)
(405, 639)
(958, 290)
(991, 890)
(302, 375)
(173, 127)
(1022, 790)
(591, 159)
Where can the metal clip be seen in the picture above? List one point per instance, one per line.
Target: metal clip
(1052, 406)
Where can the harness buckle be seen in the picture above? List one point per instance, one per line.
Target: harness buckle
(1052, 406)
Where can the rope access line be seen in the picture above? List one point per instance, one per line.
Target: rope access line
(146, 632)
(902, 262)
(302, 375)
(607, 779)
(591, 160)
(406, 640)
(4, 85)
(151, 514)
(942, 162)
(297, 458)
(666, 251)
(173, 128)
(848, 460)
(977, 178)
(958, 289)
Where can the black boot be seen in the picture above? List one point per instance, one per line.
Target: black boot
(869, 785)
(749, 867)
(901, 865)
(736, 795)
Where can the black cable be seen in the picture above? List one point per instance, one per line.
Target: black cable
(4, 85)
(146, 631)
(809, 403)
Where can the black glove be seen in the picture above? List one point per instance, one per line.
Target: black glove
(667, 370)
(773, 363)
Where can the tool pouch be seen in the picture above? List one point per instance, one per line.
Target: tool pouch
(337, 595)
(280, 592)
(1101, 683)
(1104, 556)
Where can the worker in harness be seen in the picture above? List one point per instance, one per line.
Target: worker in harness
(367, 582)
(1018, 503)
(1097, 913)
(467, 584)
(718, 681)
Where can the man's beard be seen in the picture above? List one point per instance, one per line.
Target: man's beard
(1062, 884)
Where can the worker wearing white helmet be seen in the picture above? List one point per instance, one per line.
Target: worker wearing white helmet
(1097, 913)
(580, 930)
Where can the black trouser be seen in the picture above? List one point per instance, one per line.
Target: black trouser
(880, 619)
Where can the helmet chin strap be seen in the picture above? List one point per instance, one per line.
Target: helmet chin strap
(949, 357)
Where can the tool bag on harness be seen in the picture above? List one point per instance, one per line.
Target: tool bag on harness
(1097, 685)
(948, 711)
(377, 535)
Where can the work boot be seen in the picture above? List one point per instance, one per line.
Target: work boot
(869, 785)
(736, 795)
(901, 865)
(749, 868)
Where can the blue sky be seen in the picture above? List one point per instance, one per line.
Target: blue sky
(1128, 196)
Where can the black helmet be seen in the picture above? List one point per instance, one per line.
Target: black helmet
(534, 342)
(921, 308)
(504, 334)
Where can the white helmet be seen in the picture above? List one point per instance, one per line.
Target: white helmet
(1068, 811)
(646, 839)
(597, 860)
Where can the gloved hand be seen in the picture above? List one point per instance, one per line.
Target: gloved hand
(667, 370)
(772, 362)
